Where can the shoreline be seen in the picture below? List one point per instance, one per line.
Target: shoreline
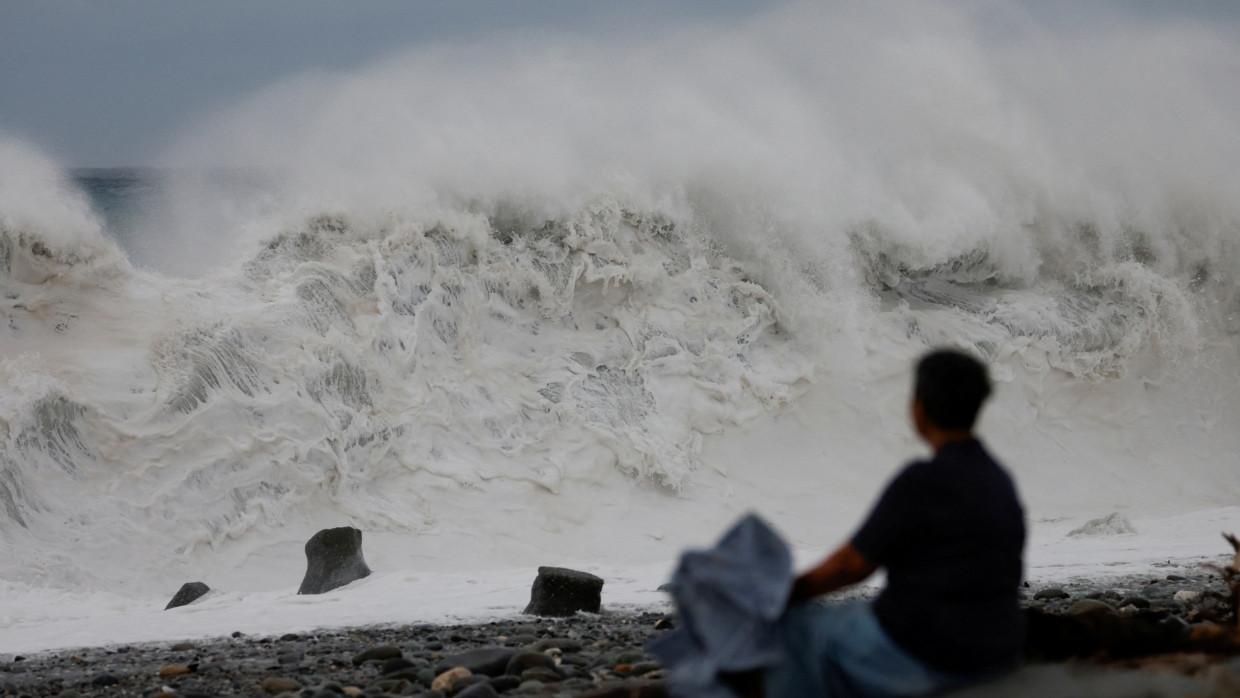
(587, 653)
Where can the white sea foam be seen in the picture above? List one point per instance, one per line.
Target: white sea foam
(565, 303)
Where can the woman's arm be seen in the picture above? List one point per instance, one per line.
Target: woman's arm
(843, 567)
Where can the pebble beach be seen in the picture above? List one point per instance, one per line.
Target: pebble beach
(598, 655)
(529, 656)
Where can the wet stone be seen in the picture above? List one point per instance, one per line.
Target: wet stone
(187, 594)
(560, 643)
(505, 683)
(471, 680)
(1088, 606)
(561, 592)
(544, 674)
(490, 661)
(521, 640)
(481, 690)
(522, 661)
(333, 559)
(1050, 594)
(398, 664)
(376, 654)
(629, 656)
(279, 684)
(643, 668)
(447, 681)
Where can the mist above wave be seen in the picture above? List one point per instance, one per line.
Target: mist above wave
(849, 148)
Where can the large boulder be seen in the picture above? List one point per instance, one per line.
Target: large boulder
(333, 559)
(189, 593)
(562, 592)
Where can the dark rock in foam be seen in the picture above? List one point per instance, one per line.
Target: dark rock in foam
(562, 592)
(189, 593)
(333, 559)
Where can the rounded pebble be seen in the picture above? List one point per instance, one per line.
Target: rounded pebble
(279, 684)
(447, 681)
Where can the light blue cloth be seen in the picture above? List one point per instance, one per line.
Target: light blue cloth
(731, 603)
(840, 651)
(728, 600)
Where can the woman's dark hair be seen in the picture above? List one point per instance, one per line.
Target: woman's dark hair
(951, 386)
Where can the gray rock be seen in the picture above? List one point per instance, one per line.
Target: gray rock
(189, 593)
(642, 668)
(628, 656)
(395, 664)
(279, 684)
(528, 660)
(561, 643)
(1176, 622)
(505, 683)
(521, 640)
(478, 690)
(381, 653)
(1088, 606)
(562, 592)
(467, 681)
(541, 673)
(333, 559)
(1135, 601)
(1050, 594)
(488, 661)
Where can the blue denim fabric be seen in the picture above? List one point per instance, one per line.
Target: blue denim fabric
(728, 600)
(840, 651)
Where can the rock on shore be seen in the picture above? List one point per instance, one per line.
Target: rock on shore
(601, 656)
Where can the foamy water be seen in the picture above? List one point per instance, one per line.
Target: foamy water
(523, 303)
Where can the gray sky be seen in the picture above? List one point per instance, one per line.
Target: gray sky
(111, 83)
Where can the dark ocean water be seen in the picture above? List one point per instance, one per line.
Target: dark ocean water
(176, 221)
(121, 195)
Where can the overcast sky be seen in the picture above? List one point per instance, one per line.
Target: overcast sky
(110, 83)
